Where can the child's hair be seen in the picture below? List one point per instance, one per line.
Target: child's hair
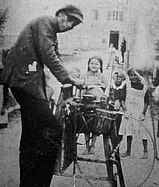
(99, 60)
(133, 71)
(140, 82)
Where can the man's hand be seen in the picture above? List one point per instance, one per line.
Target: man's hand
(79, 83)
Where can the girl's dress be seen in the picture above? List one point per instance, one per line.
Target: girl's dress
(134, 106)
(96, 84)
(117, 94)
(120, 91)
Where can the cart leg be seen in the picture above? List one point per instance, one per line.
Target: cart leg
(109, 164)
(115, 143)
(119, 170)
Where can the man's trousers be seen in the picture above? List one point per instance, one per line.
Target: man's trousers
(40, 140)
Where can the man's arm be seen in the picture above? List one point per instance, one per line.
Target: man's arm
(46, 47)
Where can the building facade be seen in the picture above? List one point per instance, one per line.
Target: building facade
(105, 22)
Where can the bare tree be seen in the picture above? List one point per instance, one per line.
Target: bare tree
(3, 18)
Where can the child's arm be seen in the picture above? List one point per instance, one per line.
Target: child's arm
(117, 105)
(123, 105)
(146, 104)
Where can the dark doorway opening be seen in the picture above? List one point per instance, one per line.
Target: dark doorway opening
(114, 38)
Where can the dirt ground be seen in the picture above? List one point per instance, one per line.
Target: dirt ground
(135, 170)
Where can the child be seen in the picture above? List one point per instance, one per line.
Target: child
(134, 97)
(118, 87)
(148, 97)
(116, 97)
(95, 84)
(119, 97)
(95, 81)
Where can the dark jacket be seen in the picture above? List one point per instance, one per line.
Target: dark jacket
(35, 46)
(123, 46)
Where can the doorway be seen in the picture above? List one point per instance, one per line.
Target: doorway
(114, 38)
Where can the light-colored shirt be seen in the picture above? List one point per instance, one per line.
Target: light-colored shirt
(96, 83)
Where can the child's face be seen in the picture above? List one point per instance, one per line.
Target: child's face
(133, 78)
(94, 65)
(119, 80)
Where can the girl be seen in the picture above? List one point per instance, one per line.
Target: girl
(119, 88)
(117, 93)
(135, 92)
(116, 97)
(149, 105)
(95, 84)
(95, 81)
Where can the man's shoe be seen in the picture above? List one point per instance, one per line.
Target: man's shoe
(125, 154)
(145, 155)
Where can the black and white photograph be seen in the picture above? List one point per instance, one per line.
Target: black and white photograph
(79, 93)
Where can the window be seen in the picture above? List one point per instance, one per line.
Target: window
(117, 15)
(114, 17)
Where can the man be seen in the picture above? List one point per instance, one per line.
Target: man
(123, 48)
(24, 72)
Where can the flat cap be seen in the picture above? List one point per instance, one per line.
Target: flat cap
(71, 10)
